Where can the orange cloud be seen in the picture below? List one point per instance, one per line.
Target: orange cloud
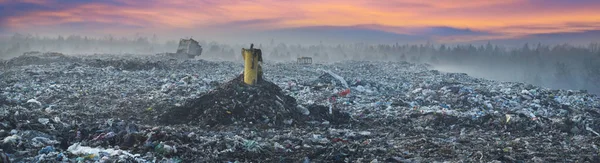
(509, 18)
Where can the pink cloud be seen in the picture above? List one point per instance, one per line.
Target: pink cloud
(508, 17)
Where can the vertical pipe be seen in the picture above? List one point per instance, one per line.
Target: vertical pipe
(250, 70)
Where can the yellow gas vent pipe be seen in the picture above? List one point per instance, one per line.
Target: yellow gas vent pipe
(252, 69)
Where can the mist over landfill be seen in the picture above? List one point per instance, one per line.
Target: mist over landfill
(561, 66)
(299, 81)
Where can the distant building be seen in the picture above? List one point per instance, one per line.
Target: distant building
(305, 60)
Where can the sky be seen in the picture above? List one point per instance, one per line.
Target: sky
(446, 21)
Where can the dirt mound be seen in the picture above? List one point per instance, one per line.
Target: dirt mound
(237, 103)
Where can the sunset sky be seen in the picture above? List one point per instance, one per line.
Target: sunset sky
(439, 20)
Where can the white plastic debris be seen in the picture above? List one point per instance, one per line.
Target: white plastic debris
(49, 109)
(169, 149)
(43, 121)
(360, 88)
(34, 101)
(77, 149)
(191, 134)
(278, 146)
(341, 79)
(42, 141)
(417, 90)
(364, 133)
(11, 139)
(587, 127)
(110, 122)
(288, 122)
(57, 119)
(303, 110)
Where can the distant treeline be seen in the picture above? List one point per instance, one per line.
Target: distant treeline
(556, 66)
(75, 44)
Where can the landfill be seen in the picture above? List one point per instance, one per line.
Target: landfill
(109, 108)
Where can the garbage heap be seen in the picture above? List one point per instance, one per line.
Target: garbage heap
(37, 58)
(237, 103)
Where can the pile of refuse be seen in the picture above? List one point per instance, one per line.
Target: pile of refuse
(235, 102)
(37, 58)
(96, 108)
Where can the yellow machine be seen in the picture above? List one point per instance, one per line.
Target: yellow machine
(252, 69)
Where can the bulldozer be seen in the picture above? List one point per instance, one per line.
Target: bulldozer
(187, 49)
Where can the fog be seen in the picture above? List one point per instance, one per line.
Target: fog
(561, 66)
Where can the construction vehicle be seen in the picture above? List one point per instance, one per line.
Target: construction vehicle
(187, 49)
(252, 68)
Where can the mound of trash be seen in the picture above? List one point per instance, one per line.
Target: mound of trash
(135, 64)
(38, 58)
(238, 103)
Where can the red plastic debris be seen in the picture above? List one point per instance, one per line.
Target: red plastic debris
(367, 142)
(335, 140)
(332, 99)
(344, 93)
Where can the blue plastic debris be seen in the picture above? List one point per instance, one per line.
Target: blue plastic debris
(46, 150)
(306, 160)
(61, 156)
(102, 154)
(444, 106)
(466, 90)
(4, 157)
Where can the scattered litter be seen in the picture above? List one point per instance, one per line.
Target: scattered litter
(364, 133)
(44, 121)
(78, 149)
(35, 102)
(11, 139)
(591, 130)
(105, 108)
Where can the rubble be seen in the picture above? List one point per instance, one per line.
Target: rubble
(122, 109)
